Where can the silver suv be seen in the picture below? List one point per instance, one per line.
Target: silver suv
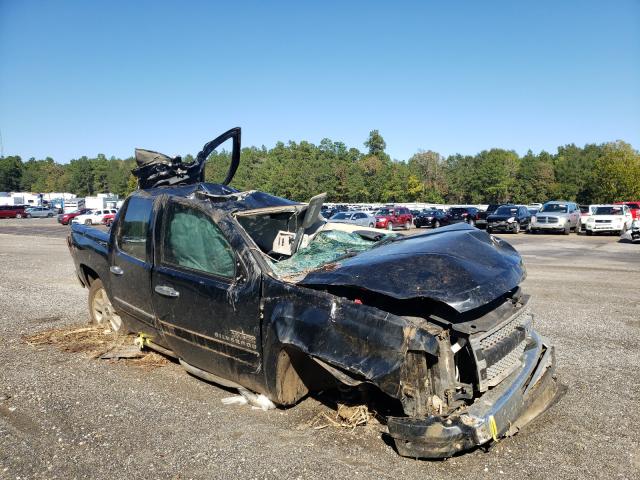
(557, 216)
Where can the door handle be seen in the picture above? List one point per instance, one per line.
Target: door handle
(167, 291)
(116, 270)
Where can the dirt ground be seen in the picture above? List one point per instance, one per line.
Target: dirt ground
(66, 414)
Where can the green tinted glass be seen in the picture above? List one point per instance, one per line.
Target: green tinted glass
(192, 240)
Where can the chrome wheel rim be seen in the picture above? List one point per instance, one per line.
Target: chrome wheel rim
(103, 311)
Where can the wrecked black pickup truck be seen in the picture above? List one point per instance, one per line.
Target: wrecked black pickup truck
(255, 291)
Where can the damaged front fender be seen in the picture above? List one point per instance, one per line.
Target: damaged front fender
(363, 343)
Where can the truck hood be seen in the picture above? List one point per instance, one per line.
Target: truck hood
(458, 265)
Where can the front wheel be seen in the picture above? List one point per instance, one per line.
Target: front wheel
(19, 215)
(589, 233)
(371, 225)
(436, 224)
(49, 215)
(28, 215)
(88, 222)
(407, 225)
(389, 226)
(516, 229)
(100, 308)
(489, 230)
(567, 230)
(471, 222)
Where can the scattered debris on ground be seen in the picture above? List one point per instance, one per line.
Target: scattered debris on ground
(257, 401)
(346, 416)
(98, 342)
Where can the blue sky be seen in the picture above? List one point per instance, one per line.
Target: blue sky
(81, 78)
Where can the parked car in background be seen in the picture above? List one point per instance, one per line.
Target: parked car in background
(93, 216)
(355, 218)
(585, 212)
(634, 208)
(40, 212)
(431, 218)
(12, 211)
(108, 219)
(481, 222)
(394, 217)
(463, 214)
(633, 234)
(65, 218)
(614, 219)
(557, 216)
(509, 218)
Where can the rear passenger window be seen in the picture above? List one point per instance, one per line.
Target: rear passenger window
(192, 240)
(132, 236)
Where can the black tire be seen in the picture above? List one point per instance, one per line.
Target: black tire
(371, 225)
(88, 222)
(49, 215)
(489, 230)
(567, 230)
(589, 233)
(100, 308)
(436, 224)
(18, 215)
(516, 229)
(471, 222)
(390, 226)
(407, 225)
(28, 215)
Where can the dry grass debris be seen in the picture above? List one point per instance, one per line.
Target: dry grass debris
(96, 341)
(346, 416)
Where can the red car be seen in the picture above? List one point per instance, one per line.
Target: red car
(634, 207)
(65, 218)
(393, 217)
(108, 219)
(12, 211)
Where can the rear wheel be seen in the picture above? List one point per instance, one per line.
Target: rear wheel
(489, 230)
(88, 221)
(100, 309)
(589, 233)
(471, 222)
(567, 229)
(371, 225)
(49, 215)
(516, 229)
(19, 215)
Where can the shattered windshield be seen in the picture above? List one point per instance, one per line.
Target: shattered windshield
(326, 247)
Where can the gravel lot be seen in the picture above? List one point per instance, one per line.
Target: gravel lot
(64, 415)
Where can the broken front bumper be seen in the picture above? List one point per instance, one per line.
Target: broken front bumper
(500, 412)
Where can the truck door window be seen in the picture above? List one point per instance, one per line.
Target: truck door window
(132, 235)
(192, 240)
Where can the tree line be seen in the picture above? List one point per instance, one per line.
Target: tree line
(595, 173)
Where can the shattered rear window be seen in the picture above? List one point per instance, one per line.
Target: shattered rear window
(326, 247)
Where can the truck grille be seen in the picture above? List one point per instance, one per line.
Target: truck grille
(499, 352)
